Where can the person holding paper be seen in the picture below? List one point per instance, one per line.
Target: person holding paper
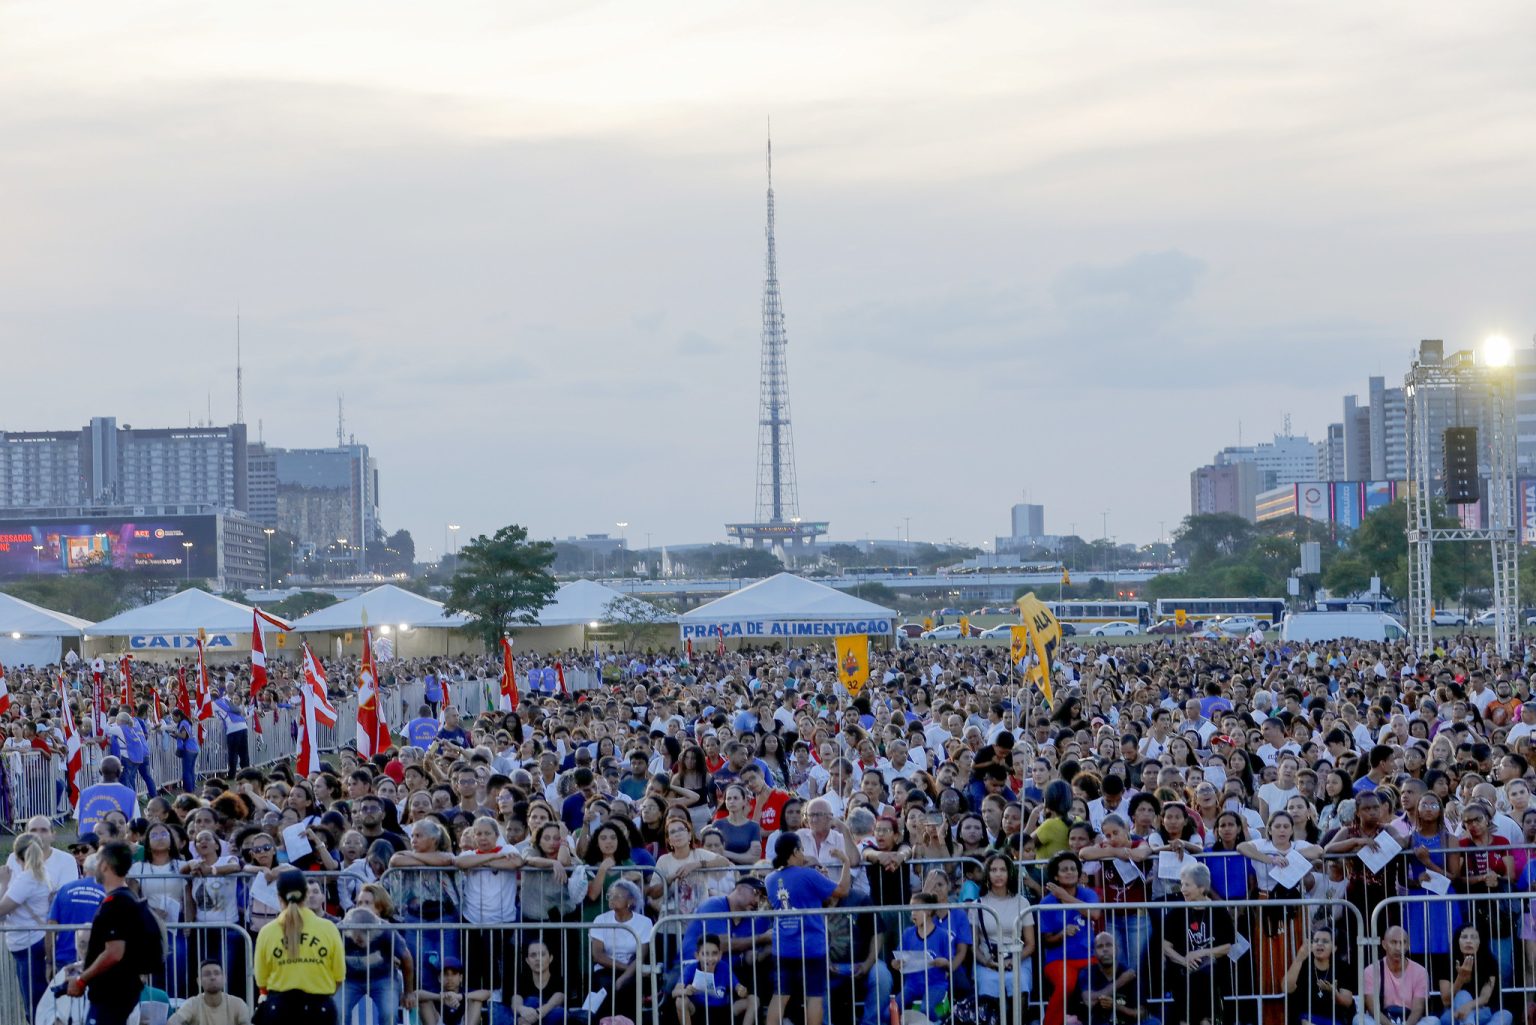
(1176, 846)
(1367, 837)
(1195, 939)
(1123, 881)
(162, 885)
(1281, 866)
(925, 958)
(707, 990)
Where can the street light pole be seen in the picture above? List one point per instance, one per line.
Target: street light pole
(453, 528)
(269, 532)
(188, 546)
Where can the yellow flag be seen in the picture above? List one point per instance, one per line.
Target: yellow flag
(965, 626)
(1018, 642)
(1180, 618)
(927, 622)
(1044, 637)
(853, 662)
(1066, 578)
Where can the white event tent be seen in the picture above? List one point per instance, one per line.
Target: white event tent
(576, 609)
(31, 635)
(417, 626)
(167, 629)
(786, 609)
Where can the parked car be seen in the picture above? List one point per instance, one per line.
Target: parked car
(947, 632)
(1240, 626)
(1068, 630)
(949, 612)
(1119, 628)
(1001, 632)
(910, 629)
(1442, 617)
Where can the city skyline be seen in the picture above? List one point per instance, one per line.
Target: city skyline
(527, 245)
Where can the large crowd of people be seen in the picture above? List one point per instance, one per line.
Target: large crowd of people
(1190, 832)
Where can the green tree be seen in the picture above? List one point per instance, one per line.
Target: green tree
(296, 606)
(749, 563)
(636, 622)
(501, 580)
(1203, 539)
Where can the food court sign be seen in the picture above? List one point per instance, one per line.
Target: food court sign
(804, 629)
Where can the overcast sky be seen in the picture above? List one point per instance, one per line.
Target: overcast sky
(1061, 249)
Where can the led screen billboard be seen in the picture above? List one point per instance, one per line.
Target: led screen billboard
(153, 545)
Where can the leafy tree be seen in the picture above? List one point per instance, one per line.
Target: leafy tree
(1203, 539)
(93, 595)
(635, 622)
(749, 563)
(501, 580)
(302, 604)
(875, 592)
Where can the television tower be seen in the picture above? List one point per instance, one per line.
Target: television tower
(777, 518)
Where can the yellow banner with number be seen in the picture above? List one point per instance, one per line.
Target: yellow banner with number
(1018, 642)
(1044, 636)
(853, 662)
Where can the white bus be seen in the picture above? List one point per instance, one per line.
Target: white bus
(1268, 611)
(1086, 614)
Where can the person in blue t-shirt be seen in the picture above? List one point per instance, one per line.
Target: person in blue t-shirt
(433, 693)
(707, 992)
(75, 903)
(925, 958)
(187, 747)
(422, 730)
(800, 944)
(742, 933)
(108, 795)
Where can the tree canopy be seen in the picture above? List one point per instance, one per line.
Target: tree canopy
(501, 580)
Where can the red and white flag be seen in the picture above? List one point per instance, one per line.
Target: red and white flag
(98, 709)
(183, 699)
(159, 717)
(5, 693)
(72, 757)
(204, 692)
(125, 669)
(560, 678)
(372, 730)
(507, 702)
(719, 642)
(315, 710)
(259, 649)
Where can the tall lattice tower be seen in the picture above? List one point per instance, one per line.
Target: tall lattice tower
(778, 524)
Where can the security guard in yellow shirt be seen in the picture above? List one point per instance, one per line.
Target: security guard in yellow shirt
(299, 961)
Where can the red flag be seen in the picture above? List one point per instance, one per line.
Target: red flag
(689, 650)
(508, 700)
(158, 715)
(560, 677)
(259, 649)
(204, 694)
(72, 756)
(183, 699)
(5, 693)
(315, 710)
(372, 730)
(98, 709)
(719, 642)
(125, 667)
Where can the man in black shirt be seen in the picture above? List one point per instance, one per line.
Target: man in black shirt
(120, 943)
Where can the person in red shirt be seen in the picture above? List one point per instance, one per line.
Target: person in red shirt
(767, 802)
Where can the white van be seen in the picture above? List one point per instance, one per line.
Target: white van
(1313, 627)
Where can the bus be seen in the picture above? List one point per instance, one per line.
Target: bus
(1359, 603)
(1268, 611)
(1087, 614)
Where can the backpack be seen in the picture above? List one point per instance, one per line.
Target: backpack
(148, 956)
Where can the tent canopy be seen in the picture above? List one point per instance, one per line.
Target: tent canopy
(786, 608)
(584, 601)
(182, 613)
(385, 605)
(22, 617)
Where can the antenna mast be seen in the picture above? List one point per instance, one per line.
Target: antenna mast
(341, 421)
(239, 374)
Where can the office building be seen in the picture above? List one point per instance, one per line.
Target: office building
(327, 497)
(1226, 488)
(1285, 460)
(1028, 520)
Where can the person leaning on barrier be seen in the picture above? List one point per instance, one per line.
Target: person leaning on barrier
(212, 1005)
(299, 959)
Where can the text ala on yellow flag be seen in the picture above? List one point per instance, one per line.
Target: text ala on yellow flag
(1043, 634)
(853, 662)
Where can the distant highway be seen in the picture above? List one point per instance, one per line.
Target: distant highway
(962, 587)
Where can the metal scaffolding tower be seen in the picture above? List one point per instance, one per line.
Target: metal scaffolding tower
(1480, 395)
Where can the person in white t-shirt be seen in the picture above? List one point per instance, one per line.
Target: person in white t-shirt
(1272, 796)
(60, 865)
(23, 910)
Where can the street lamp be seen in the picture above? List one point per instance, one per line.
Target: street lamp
(269, 532)
(1497, 351)
(188, 546)
(39, 550)
(453, 528)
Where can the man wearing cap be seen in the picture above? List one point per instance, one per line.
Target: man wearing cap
(745, 934)
(299, 961)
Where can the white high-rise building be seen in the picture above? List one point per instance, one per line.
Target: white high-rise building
(1288, 459)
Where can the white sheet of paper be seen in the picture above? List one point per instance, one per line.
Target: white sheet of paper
(1207, 732)
(295, 842)
(1215, 775)
(704, 982)
(1434, 882)
(1128, 870)
(1169, 864)
(1240, 946)
(1376, 856)
(169, 907)
(914, 960)
(1293, 871)
(594, 1001)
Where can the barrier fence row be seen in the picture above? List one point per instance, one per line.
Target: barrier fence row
(1251, 961)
